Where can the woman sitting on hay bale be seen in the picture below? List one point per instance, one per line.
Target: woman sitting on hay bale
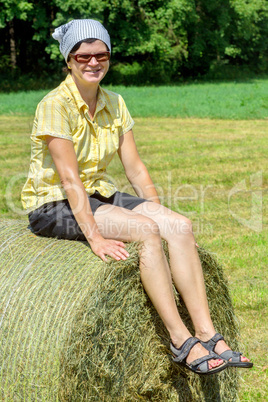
(77, 130)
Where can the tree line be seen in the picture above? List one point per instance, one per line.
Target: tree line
(153, 41)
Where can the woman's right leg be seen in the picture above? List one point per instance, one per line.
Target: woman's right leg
(120, 224)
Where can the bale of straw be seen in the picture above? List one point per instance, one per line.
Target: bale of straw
(74, 328)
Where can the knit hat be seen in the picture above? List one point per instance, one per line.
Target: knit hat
(76, 30)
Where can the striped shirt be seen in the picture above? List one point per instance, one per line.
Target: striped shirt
(64, 114)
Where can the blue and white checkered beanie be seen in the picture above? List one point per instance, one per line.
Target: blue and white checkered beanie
(76, 30)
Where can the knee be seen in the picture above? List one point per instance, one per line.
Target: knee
(147, 229)
(179, 226)
(186, 226)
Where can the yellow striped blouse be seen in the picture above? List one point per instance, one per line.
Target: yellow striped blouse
(64, 114)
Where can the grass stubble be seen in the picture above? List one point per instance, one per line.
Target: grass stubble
(197, 164)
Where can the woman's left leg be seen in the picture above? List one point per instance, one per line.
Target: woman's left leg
(185, 267)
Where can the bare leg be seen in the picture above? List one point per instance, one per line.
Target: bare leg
(155, 273)
(185, 267)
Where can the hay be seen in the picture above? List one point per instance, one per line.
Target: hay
(76, 329)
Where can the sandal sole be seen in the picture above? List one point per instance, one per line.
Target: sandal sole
(241, 365)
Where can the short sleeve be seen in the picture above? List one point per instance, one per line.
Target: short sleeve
(126, 119)
(52, 119)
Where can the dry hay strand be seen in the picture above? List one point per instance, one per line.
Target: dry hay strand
(74, 328)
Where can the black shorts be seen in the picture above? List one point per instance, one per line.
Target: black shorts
(56, 219)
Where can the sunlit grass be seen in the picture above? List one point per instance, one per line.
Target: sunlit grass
(227, 100)
(196, 165)
(231, 100)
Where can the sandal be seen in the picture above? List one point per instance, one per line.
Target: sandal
(228, 354)
(199, 366)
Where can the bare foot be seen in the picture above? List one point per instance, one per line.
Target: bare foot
(198, 351)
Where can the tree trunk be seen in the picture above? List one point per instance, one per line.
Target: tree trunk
(13, 55)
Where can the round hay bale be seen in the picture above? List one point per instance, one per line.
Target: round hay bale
(74, 328)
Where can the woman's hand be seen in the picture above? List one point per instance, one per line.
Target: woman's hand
(113, 248)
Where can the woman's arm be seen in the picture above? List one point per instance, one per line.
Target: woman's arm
(135, 169)
(64, 157)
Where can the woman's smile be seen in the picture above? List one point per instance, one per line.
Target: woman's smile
(93, 71)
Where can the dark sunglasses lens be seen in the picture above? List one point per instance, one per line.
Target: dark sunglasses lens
(102, 56)
(85, 58)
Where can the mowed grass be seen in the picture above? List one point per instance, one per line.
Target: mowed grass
(227, 100)
(214, 172)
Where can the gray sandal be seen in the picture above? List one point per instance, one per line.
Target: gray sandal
(228, 354)
(199, 366)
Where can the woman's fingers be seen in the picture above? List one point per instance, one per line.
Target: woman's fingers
(102, 256)
(118, 252)
(111, 248)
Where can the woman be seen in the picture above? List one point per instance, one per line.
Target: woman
(77, 130)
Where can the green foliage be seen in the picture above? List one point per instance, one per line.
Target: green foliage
(250, 35)
(11, 9)
(153, 41)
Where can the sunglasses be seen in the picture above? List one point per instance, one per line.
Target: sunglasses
(85, 58)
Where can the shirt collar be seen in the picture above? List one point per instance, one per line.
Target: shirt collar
(101, 102)
(81, 104)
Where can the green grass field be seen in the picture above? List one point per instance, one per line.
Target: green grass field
(213, 171)
(205, 100)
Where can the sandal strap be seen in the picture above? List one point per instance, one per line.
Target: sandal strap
(184, 350)
(210, 345)
(196, 363)
(230, 354)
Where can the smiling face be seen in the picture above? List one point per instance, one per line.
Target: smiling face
(91, 73)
